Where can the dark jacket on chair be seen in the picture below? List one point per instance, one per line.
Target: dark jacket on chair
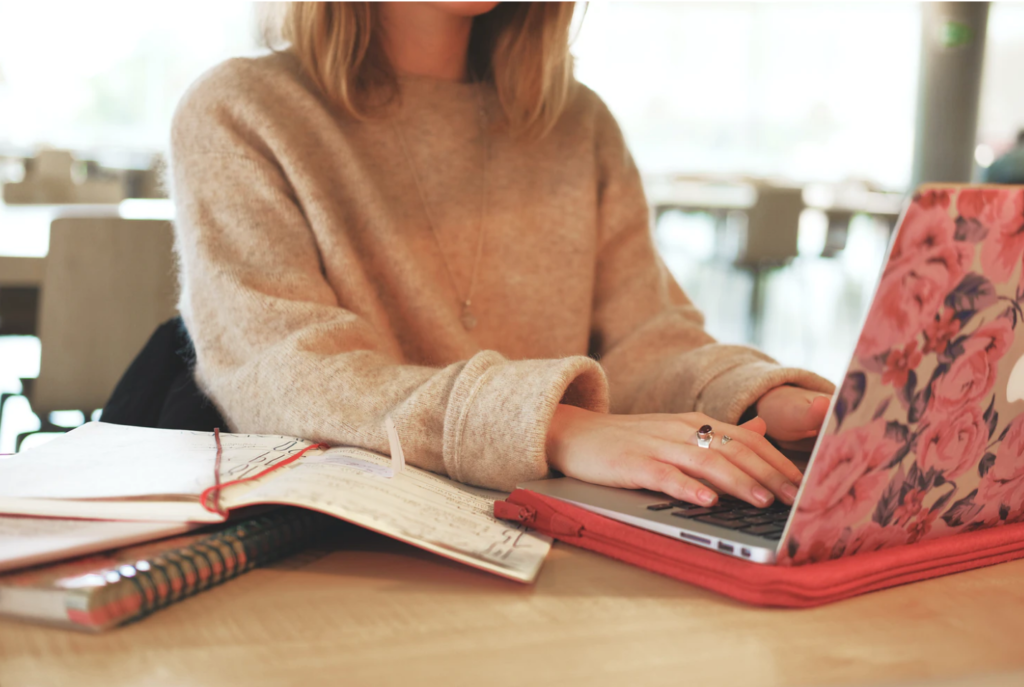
(159, 390)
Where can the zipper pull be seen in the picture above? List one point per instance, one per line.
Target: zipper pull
(557, 525)
(512, 511)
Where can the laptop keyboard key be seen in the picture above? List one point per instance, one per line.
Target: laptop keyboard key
(660, 506)
(728, 524)
(684, 505)
(691, 513)
(760, 520)
(729, 515)
(765, 530)
(720, 508)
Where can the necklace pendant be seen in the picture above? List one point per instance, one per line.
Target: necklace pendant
(468, 320)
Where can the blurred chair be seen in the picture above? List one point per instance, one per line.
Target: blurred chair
(837, 232)
(20, 279)
(107, 284)
(772, 218)
(50, 179)
(147, 183)
(773, 225)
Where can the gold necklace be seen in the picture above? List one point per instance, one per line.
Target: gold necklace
(468, 319)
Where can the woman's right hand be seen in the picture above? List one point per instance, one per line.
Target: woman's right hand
(660, 453)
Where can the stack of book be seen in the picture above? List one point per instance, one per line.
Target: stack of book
(195, 509)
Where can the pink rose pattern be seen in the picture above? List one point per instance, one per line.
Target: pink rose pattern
(928, 457)
(972, 374)
(1003, 483)
(926, 264)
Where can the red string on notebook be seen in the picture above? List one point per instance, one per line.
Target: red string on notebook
(215, 490)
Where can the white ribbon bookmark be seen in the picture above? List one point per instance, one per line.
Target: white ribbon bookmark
(397, 455)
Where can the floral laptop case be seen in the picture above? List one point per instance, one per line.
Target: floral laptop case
(925, 438)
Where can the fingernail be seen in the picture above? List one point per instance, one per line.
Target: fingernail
(789, 491)
(706, 496)
(762, 495)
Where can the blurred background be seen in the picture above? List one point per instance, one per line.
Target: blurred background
(777, 142)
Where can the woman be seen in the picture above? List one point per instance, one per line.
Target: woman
(414, 211)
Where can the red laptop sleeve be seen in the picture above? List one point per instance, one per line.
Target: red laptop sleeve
(766, 585)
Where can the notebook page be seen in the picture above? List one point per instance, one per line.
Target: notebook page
(30, 541)
(413, 505)
(100, 461)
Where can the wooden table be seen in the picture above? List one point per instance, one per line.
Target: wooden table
(375, 612)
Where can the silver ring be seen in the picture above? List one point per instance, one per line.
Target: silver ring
(705, 435)
(726, 438)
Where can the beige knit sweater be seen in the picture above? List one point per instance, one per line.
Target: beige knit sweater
(319, 302)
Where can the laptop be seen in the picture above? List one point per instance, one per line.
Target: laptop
(925, 436)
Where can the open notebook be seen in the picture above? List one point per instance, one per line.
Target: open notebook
(104, 471)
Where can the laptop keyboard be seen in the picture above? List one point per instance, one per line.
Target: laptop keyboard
(733, 514)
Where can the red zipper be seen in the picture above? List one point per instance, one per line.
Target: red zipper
(562, 527)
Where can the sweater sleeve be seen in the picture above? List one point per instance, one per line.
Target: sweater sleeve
(648, 335)
(277, 354)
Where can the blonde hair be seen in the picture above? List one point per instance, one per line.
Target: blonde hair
(522, 48)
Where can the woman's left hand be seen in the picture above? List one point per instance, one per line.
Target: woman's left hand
(794, 416)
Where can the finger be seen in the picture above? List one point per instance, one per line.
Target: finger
(805, 412)
(754, 441)
(768, 453)
(814, 418)
(708, 464)
(757, 425)
(649, 473)
(803, 445)
(812, 434)
(751, 463)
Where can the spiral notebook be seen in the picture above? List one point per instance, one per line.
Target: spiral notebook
(98, 592)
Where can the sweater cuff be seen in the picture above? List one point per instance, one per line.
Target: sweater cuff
(499, 411)
(728, 395)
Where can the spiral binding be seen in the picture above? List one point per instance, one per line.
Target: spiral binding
(129, 591)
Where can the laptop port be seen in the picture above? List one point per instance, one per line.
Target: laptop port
(693, 537)
(745, 552)
(722, 546)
